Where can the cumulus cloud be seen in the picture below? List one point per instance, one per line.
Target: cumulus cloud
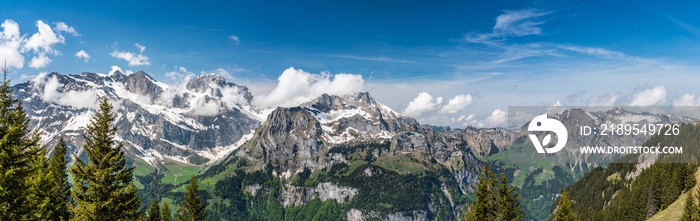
(50, 91)
(498, 118)
(234, 39)
(10, 43)
(295, 86)
(83, 55)
(39, 61)
(457, 104)
(14, 45)
(63, 27)
(649, 97)
(42, 43)
(134, 59)
(687, 99)
(423, 103)
(44, 40)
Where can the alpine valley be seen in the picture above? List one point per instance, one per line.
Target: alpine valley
(335, 157)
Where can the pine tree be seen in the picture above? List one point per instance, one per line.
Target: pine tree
(104, 187)
(38, 195)
(564, 211)
(192, 208)
(690, 211)
(508, 201)
(485, 206)
(165, 212)
(60, 187)
(18, 148)
(154, 211)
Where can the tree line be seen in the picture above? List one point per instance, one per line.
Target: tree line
(36, 187)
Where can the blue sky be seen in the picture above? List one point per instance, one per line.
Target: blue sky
(451, 63)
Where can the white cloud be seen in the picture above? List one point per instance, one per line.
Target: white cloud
(423, 103)
(498, 118)
(519, 23)
(602, 52)
(133, 58)
(234, 39)
(44, 40)
(115, 69)
(62, 27)
(141, 47)
(39, 61)
(82, 54)
(231, 96)
(511, 23)
(457, 104)
(206, 108)
(10, 43)
(296, 86)
(687, 99)
(174, 75)
(51, 93)
(42, 43)
(14, 45)
(649, 97)
(179, 73)
(602, 100)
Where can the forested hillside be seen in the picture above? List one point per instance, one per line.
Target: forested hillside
(636, 191)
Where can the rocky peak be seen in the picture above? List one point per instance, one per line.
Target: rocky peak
(326, 103)
(216, 86)
(203, 82)
(139, 83)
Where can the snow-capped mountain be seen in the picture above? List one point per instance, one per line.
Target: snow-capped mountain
(199, 121)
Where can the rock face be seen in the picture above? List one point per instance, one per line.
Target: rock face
(316, 136)
(200, 122)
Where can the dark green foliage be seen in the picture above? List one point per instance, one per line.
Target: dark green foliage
(193, 207)
(495, 200)
(39, 199)
(61, 186)
(383, 193)
(104, 188)
(165, 214)
(316, 210)
(154, 189)
(653, 190)
(564, 211)
(18, 150)
(154, 212)
(508, 201)
(690, 210)
(57, 189)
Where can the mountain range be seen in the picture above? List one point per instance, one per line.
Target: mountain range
(347, 152)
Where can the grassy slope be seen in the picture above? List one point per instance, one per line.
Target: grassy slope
(179, 173)
(675, 210)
